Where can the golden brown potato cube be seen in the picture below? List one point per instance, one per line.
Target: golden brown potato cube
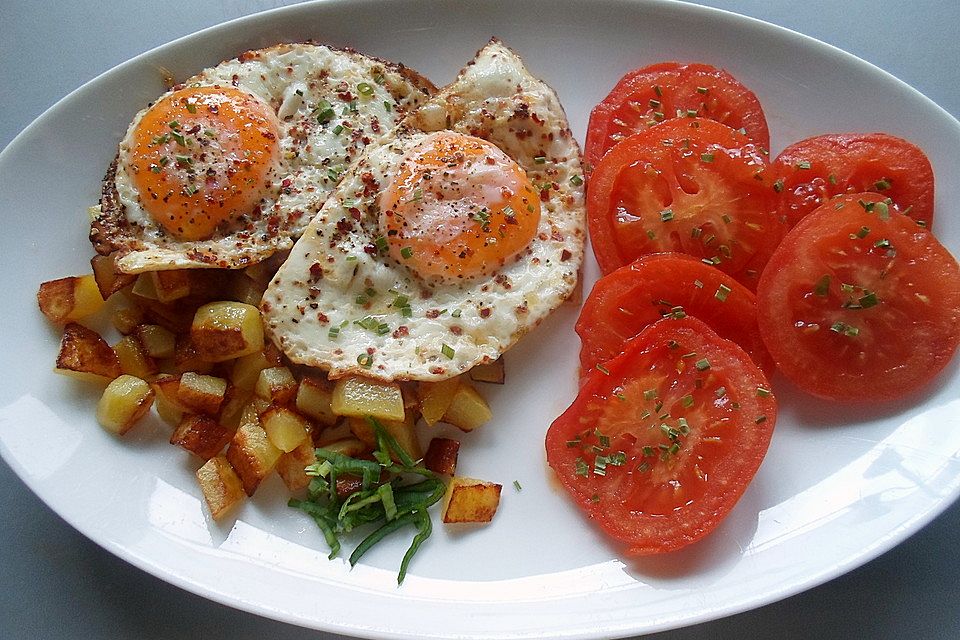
(277, 385)
(201, 435)
(435, 397)
(133, 359)
(244, 289)
(468, 410)
(145, 287)
(232, 407)
(352, 447)
(291, 466)
(246, 369)
(286, 429)
(125, 400)
(490, 372)
(156, 341)
(226, 330)
(313, 400)
(176, 316)
(69, 299)
(403, 431)
(108, 279)
(441, 456)
(85, 355)
(201, 393)
(186, 358)
(252, 455)
(251, 412)
(170, 285)
(355, 396)
(167, 390)
(127, 319)
(470, 500)
(221, 486)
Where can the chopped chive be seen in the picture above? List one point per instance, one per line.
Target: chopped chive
(657, 90)
(365, 89)
(448, 351)
(868, 300)
(666, 215)
(763, 393)
(381, 242)
(823, 286)
(406, 252)
(883, 211)
(333, 333)
(687, 401)
(832, 179)
(365, 360)
(602, 369)
(649, 394)
(516, 485)
(701, 90)
(706, 157)
(337, 130)
(803, 164)
(882, 184)
(576, 181)
(324, 112)
(540, 159)
(698, 284)
(722, 292)
(778, 185)
(702, 365)
(761, 419)
(582, 469)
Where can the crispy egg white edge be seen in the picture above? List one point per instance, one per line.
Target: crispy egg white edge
(492, 83)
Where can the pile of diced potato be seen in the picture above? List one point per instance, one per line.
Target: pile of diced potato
(192, 346)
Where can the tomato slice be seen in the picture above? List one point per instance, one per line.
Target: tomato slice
(859, 302)
(649, 95)
(623, 303)
(812, 171)
(659, 446)
(688, 185)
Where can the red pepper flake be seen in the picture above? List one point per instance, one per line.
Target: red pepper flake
(457, 331)
(354, 213)
(565, 255)
(316, 271)
(401, 331)
(433, 313)
(344, 226)
(370, 184)
(437, 371)
(485, 312)
(371, 249)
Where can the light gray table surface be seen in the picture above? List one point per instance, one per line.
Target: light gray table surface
(57, 584)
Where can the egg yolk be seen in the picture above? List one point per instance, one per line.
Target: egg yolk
(201, 157)
(458, 207)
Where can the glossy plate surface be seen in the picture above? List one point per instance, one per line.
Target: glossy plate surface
(839, 485)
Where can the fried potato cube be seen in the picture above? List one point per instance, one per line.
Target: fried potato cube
(276, 384)
(470, 500)
(244, 289)
(314, 398)
(167, 390)
(252, 455)
(435, 398)
(291, 466)
(145, 287)
(125, 400)
(251, 412)
(221, 486)
(490, 372)
(156, 341)
(468, 410)
(352, 447)
(246, 369)
(69, 299)
(355, 396)
(170, 285)
(186, 358)
(232, 407)
(285, 428)
(133, 359)
(108, 279)
(441, 456)
(403, 431)
(127, 319)
(226, 330)
(85, 355)
(176, 316)
(200, 435)
(201, 393)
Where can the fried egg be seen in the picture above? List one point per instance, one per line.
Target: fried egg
(446, 242)
(228, 167)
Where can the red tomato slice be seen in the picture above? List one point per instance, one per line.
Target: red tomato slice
(658, 447)
(623, 303)
(647, 96)
(812, 171)
(688, 185)
(859, 302)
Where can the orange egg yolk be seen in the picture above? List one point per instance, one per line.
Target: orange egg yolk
(202, 157)
(458, 207)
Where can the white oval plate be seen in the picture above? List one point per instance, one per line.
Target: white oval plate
(840, 484)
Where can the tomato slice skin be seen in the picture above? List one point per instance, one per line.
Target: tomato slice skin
(812, 171)
(688, 185)
(606, 447)
(624, 302)
(859, 305)
(655, 93)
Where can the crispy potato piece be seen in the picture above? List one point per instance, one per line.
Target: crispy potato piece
(133, 359)
(221, 486)
(292, 464)
(87, 356)
(468, 410)
(277, 385)
(171, 285)
(441, 456)
(435, 398)
(186, 358)
(226, 330)
(491, 372)
(201, 393)
(69, 299)
(127, 319)
(167, 390)
(201, 435)
(252, 455)
(145, 287)
(403, 431)
(108, 279)
(352, 447)
(313, 400)
(232, 407)
(156, 341)
(470, 500)
(286, 429)
(125, 400)
(176, 316)
(358, 397)
(246, 369)
(247, 290)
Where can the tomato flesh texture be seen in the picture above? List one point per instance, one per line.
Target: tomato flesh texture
(811, 171)
(688, 185)
(859, 302)
(650, 95)
(659, 446)
(623, 303)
